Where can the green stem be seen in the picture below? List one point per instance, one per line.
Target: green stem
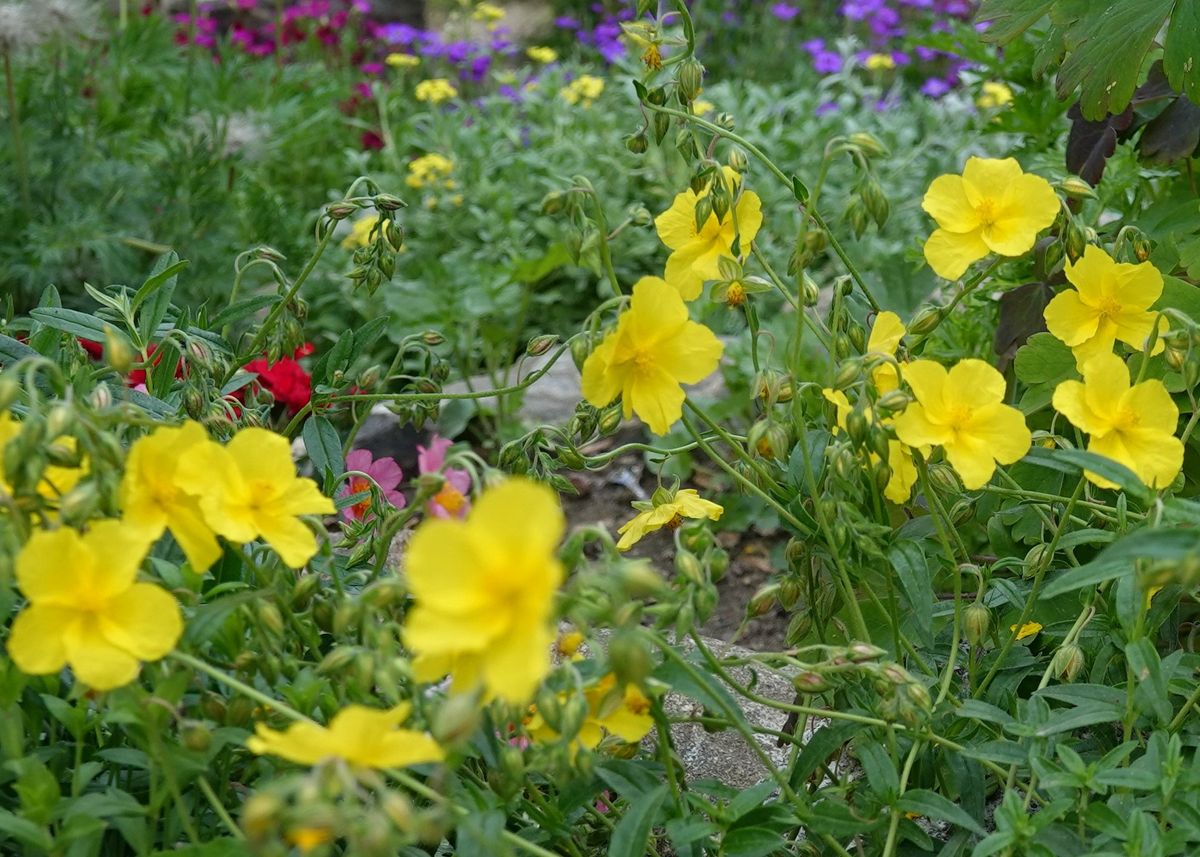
(219, 809)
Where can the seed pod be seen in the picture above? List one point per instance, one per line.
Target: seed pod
(764, 600)
(1038, 557)
(977, 621)
(691, 78)
(925, 321)
(1076, 188)
(1068, 662)
(687, 565)
(637, 143)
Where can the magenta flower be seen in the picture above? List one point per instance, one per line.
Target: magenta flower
(452, 500)
(384, 471)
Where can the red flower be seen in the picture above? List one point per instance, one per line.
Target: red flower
(304, 350)
(370, 140)
(286, 380)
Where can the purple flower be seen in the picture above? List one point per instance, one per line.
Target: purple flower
(784, 11)
(935, 87)
(385, 473)
(479, 67)
(400, 34)
(566, 22)
(371, 68)
(813, 46)
(827, 62)
(827, 107)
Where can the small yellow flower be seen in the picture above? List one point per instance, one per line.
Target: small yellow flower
(488, 13)
(879, 62)
(152, 501)
(700, 107)
(993, 207)
(583, 90)
(361, 736)
(249, 489)
(994, 94)
(1029, 629)
(623, 713)
(399, 60)
(435, 90)
(900, 460)
(569, 643)
(483, 590)
(429, 169)
(307, 839)
(56, 480)
(1133, 425)
(542, 54)
(1111, 301)
(963, 412)
(696, 253)
(360, 232)
(86, 608)
(885, 338)
(654, 348)
(685, 504)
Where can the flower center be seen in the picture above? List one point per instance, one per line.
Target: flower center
(261, 494)
(1109, 308)
(736, 296)
(987, 212)
(637, 704)
(358, 485)
(675, 523)
(958, 418)
(449, 498)
(1126, 419)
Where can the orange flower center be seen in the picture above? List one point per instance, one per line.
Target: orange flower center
(736, 296)
(637, 703)
(357, 485)
(652, 58)
(675, 523)
(449, 498)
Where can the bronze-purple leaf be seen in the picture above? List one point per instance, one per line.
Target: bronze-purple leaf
(1172, 134)
(1092, 142)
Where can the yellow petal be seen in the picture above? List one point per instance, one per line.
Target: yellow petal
(303, 743)
(677, 225)
(401, 748)
(972, 459)
(973, 384)
(914, 428)
(1070, 400)
(35, 642)
(691, 355)
(1093, 274)
(1138, 286)
(840, 403)
(749, 218)
(949, 254)
(517, 664)
(601, 383)
(54, 567)
(118, 551)
(295, 543)
(1070, 319)
(656, 398)
(444, 566)
(196, 540)
(904, 473)
(692, 505)
(886, 334)
(987, 178)
(946, 202)
(655, 312)
(1106, 381)
(262, 455)
(1153, 405)
(927, 379)
(301, 496)
(1157, 456)
(95, 660)
(144, 621)
(1134, 328)
(1028, 206)
(1002, 431)
(521, 517)
(681, 271)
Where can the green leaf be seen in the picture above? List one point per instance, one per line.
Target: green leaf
(701, 686)
(323, 445)
(1075, 461)
(820, 746)
(1106, 48)
(1119, 557)
(158, 291)
(217, 848)
(24, 831)
(1181, 295)
(1007, 19)
(12, 350)
(1150, 694)
(630, 835)
(1182, 46)
(799, 190)
(1044, 360)
(752, 842)
(933, 805)
(73, 322)
(243, 308)
(916, 582)
(1087, 714)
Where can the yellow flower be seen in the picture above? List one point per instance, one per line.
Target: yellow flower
(488, 13)
(483, 589)
(700, 107)
(654, 349)
(1133, 425)
(885, 338)
(696, 253)
(879, 62)
(900, 461)
(151, 500)
(993, 207)
(583, 90)
(361, 736)
(360, 232)
(249, 489)
(308, 838)
(1111, 301)
(428, 170)
(435, 90)
(569, 643)
(963, 412)
(625, 714)
(542, 54)
(1029, 629)
(685, 504)
(993, 95)
(56, 480)
(87, 609)
(403, 60)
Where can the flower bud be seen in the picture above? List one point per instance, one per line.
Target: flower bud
(977, 620)
(610, 419)
(688, 567)
(117, 353)
(387, 202)
(764, 600)
(962, 511)
(432, 338)
(769, 439)
(848, 372)
(925, 321)
(581, 347)
(857, 426)
(269, 254)
(1076, 188)
(810, 682)
(539, 345)
(457, 719)
(196, 737)
(810, 293)
(630, 660)
(704, 210)
(553, 202)
(341, 210)
(1068, 662)
(640, 580)
(875, 200)
(737, 160)
(80, 503)
(10, 389)
(59, 420)
(1075, 240)
(637, 143)
(718, 564)
(691, 78)
(399, 810)
(1038, 557)
(894, 401)
(260, 815)
(868, 144)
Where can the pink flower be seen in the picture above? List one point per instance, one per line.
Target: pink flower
(387, 475)
(451, 501)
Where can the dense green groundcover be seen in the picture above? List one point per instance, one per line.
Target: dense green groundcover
(956, 317)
